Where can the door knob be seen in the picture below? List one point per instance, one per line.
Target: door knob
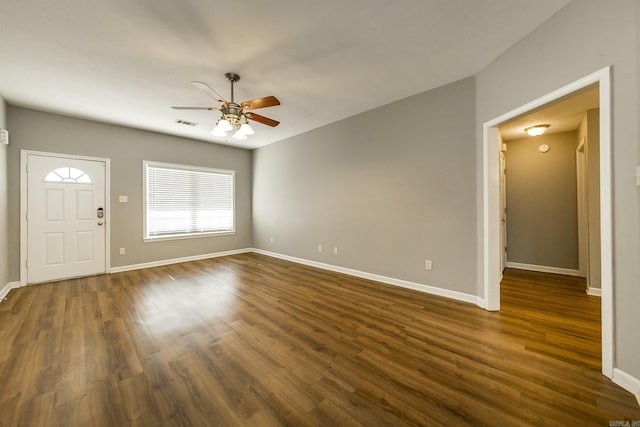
(100, 222)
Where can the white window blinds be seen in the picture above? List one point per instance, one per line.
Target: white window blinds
(186, 201)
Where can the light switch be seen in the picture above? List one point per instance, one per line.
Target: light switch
(123, 199)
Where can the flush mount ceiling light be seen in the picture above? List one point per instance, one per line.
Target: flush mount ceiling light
(537, 130)
(235, 116)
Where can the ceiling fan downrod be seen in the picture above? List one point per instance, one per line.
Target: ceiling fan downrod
(232, 77)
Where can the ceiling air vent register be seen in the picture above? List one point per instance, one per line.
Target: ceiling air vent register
(185, 122)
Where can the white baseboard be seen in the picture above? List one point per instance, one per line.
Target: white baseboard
(627, 382)
(595, 292)
(5, 290)
(434, 290)
(176, 260)
(543, 269)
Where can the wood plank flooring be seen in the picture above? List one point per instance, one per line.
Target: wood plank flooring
(249, 340)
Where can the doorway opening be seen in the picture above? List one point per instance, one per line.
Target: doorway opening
(492, 219)
(550, 206)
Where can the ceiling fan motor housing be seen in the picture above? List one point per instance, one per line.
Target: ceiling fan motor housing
(232, 112)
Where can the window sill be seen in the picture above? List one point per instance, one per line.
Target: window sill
(188, 236)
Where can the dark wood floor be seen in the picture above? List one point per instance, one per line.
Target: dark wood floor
(252, 340)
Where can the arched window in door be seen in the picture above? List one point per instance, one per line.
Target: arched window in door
(68, 174)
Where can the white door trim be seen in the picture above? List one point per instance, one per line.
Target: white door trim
(490, 192)
(23, 206)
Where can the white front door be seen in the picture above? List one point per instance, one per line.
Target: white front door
(65, 218)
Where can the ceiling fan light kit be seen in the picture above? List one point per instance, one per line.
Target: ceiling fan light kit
(235, 116)
(246, 129)
(216, 131)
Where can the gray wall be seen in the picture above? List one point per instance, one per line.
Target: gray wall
(542, 219)
(390, 188)
(4, 204)
(584, 37)
(127, 148)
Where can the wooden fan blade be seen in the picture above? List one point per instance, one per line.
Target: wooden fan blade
(209, 91)
(196, 108)
(262, 119)
(267, 101)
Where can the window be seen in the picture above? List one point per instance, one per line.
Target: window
(68, 174)
(187, 201)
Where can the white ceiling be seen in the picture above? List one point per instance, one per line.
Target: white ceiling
(128, 61)
(562, 115)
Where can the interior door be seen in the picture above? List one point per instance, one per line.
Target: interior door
(65, 218)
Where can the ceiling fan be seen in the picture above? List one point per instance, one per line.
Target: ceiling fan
(235, 116)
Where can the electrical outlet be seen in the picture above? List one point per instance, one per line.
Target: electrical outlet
(428, 265)
(123, 199)
(123, 251)
(335, 250)
(271, 240)
(319, 248)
